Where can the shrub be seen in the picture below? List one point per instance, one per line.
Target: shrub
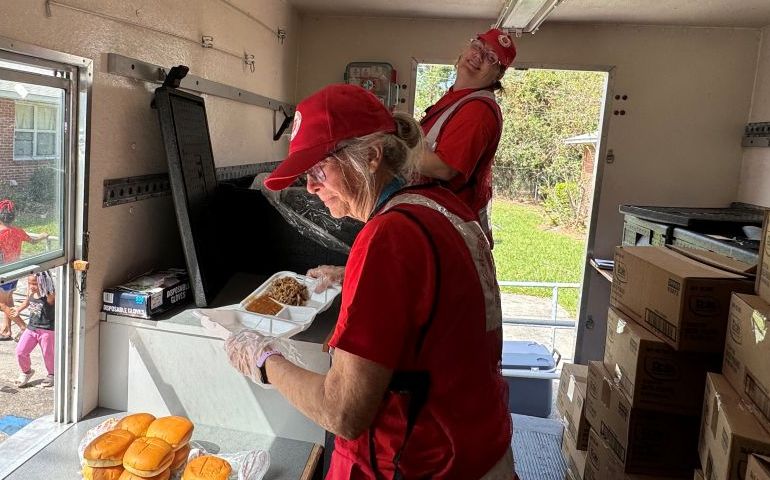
(562, 204)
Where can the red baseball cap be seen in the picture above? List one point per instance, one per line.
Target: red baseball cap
(501, 43)
(6, 206)
(322, 120)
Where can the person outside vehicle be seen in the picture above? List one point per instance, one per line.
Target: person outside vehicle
(462, 132)
(40, 331)
(11, 240)
(414, 389)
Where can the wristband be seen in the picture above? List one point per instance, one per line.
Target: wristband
(261, 364)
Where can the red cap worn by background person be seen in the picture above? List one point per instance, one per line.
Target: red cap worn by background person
(6, 206)
(322, 120)
(501, 43)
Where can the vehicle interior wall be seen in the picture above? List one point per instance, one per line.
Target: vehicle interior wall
(689, 92)
(755, 174)
(129, 239)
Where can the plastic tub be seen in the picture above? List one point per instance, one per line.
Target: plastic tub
(529, 369)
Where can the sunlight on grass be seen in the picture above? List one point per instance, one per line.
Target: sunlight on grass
(527, 250)
(37, 225)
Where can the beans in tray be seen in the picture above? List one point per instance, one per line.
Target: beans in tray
(264, 305)
(288, 291)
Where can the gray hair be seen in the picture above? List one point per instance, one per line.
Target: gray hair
(401, 152)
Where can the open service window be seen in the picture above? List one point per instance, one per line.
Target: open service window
(43, 163)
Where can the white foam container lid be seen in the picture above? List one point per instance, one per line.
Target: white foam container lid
(300, 315)
(223, 322)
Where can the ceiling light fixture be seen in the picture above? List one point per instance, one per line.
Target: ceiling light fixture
(525, 16)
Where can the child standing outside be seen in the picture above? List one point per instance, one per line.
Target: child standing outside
(39, 331)
(11, 239)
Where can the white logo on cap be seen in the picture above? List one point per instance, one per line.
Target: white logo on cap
(295, 125)
(504, 40)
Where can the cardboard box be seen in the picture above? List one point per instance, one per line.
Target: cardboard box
(758, 468)
(763, 268)
(573, 457)
(747, 353)
(148, 295)
(698, 475)
(570, 402)
(601, 463)
(682, 301)
(644, 441)
(650, 372)
(729, 433)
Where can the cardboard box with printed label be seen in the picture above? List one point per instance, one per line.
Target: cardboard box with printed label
(758, 468)
(682, 301)
(644, 441)
(763, 269)
(570, 402)
(650, 372)
(148, 295)
(729, 433)
(747, 353)
(601, 463)
(574, 458)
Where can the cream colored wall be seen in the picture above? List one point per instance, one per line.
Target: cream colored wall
(689, 92)
(755, 172)
(125, 139)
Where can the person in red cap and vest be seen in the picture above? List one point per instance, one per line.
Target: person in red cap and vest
(415, 388)
(11, 239)
(462, 131)
(463, 128)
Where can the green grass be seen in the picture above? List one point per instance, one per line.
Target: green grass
(527, 249)
(35, 224)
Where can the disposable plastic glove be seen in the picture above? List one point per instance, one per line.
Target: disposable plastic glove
(243, 350)
(326, 276)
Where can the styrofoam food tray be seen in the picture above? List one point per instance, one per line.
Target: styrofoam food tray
(303, 315)
(223, 322)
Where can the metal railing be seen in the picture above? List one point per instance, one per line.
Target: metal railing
(554, 322)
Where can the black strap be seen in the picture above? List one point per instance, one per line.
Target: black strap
(416, 384)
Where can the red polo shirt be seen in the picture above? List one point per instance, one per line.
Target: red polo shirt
(390, 284)
(467, 143)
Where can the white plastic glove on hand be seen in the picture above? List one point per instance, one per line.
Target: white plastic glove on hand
(244, 349)
(326, 276)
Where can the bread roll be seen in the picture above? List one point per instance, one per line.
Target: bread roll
(136, 423)
(147, 457)
(180, 456)
(207, 467)
(164, 475)
(174, 430)
(107, 449)
(105, 473)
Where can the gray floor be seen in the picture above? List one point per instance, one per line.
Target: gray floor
(537, 448)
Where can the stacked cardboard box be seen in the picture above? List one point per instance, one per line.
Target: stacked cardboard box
(682, 301)
(736, 410)
(665, 329)
(763, 269)
(571, 405)
(729, 432)
(602, 464)
(758, 468)
(747, 354)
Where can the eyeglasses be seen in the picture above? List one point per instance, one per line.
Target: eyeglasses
(316, 173)
(489, 56)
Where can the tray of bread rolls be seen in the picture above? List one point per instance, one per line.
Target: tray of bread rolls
(291, 297)
(142, 447)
